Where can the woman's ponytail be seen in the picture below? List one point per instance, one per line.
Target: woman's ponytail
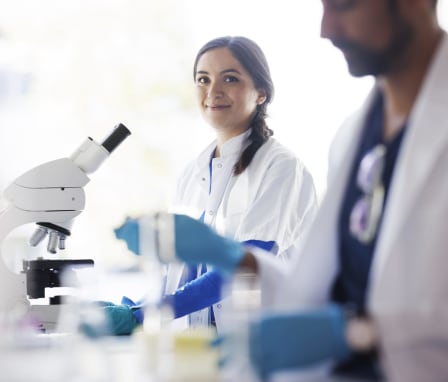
(259, 135)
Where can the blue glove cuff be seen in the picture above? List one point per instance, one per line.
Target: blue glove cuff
(342, 350)
(138, 313)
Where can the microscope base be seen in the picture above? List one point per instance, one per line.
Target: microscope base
(47, 315)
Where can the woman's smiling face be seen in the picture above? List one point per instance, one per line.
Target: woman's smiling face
(226, 92)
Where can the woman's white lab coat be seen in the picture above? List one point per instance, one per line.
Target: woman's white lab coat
(272, 200)
(408, 288)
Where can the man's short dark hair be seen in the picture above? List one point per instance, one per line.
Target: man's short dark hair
(393, 4)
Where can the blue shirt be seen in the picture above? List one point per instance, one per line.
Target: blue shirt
(205, 290)
(355, 257)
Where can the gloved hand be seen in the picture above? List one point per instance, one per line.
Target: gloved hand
(121, 319)
(294, 340)
(196, 243)
(129, 231)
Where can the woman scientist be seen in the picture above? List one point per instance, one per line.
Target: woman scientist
(244, 184)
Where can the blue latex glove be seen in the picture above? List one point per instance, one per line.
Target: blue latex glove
(129, 232)
(197, 294)
(121, 320)
(295, 340)
(140, 304)
(197, 243)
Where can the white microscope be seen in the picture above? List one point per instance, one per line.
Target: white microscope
(50, 195)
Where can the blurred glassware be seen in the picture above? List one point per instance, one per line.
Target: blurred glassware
(240, 307)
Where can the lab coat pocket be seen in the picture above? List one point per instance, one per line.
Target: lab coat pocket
(235, 200)
(233, 206)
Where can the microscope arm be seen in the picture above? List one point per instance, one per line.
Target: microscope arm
(34, 197)
(50, 195)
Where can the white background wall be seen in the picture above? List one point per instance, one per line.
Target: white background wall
(71, 69)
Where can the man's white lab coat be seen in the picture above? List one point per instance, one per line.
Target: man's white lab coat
(408, 287)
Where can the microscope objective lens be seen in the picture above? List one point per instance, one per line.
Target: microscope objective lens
(53, 241)
(38, 235)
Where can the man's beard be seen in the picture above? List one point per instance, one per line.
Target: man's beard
(363, 60)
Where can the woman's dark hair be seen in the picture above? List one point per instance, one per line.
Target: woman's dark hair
(252, 58)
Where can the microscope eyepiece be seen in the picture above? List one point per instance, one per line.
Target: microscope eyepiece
(118, 135)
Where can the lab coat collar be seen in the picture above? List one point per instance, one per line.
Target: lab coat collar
(424, 142)
(233, 146)
(230, 148)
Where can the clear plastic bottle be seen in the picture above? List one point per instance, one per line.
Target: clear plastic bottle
(155, 339)
(243, 306)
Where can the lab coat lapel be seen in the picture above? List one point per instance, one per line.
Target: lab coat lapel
(425, 140)
(202, 173)
(319, 263)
